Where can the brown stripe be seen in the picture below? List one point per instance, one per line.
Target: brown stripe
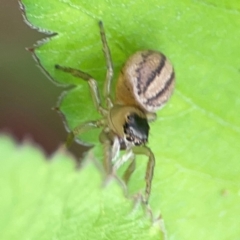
(139, 69)
(163, 90)
(154, 73)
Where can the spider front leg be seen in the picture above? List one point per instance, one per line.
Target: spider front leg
(92, 84)
(130, 156)
(144, 150)
(129, 171)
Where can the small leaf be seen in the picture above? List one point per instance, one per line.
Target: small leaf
(51, 200)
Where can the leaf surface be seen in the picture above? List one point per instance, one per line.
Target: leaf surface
(196, 137)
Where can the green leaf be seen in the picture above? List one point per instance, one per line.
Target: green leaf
(43, 199)
(196, 137)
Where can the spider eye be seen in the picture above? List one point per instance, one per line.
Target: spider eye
(136, 129)
(130, 118)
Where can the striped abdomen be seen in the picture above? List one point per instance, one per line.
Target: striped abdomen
(146, 80)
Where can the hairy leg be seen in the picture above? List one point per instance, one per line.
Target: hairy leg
(92, 84)
(129, 171)
(80, 129)
(150, 168)
(108, 58)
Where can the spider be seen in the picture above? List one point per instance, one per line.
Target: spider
(144, 85)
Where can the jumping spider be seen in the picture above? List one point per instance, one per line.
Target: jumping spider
(145, 84)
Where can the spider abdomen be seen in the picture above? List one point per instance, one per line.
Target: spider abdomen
(146, 81)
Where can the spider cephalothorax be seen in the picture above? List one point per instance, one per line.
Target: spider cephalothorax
(144, 85)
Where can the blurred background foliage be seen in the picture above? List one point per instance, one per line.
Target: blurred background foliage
(26, 95)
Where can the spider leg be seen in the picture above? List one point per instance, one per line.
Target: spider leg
(131, 168)
(108, 58)
(91, 82)
(115, 149)
(107, 151)
(124, 158)
(144, 150)
(80, 129)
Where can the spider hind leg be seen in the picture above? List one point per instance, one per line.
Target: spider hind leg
(92, 84)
